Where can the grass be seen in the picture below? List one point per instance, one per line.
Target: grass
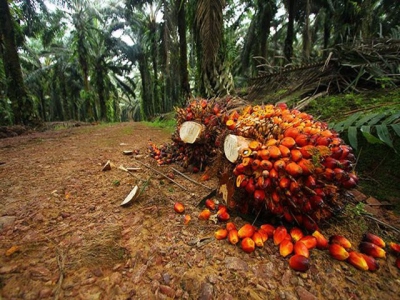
(167, 124)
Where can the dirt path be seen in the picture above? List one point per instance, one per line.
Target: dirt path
(73, 240)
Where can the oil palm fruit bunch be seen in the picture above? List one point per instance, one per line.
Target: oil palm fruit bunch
(293, 165)
(198, 153)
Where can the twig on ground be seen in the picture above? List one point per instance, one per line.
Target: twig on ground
(61, 263)
(381, 222)
(191, 180)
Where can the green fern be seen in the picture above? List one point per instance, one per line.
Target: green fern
(377, 128)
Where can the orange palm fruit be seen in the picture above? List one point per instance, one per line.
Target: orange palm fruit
(322, 242)
(230, 124)
(301, 249)
(372, 250)
(299, 263)
(274, 152)
(310, 241)
(241, 180)
(264, 154)
(221, 234)
(247, 230)
(255, 164)
(307, 151)
(341, 240)
(230, 226)
(307, 166)
(296, 155)
(223, 216)
(372, 238)
(179, 208)
(302, 140)
(186, 219)
(288, 142)
(233, 237)
(263, 234)
(291, 132)
(284, 182)
(279, 234)
(294, 169)
(258, 240)
(285, 151)
(247, 161)
(273, 174)
(259, 195)
(395, 247)
(357, 260)
(371, 262)
(248, 245)
(279, 164)
(296, 234)
(266, 164)
(205, 214)
(254, 145)
(338, 252)
(210, 204)
(269, 229)
(286, 247)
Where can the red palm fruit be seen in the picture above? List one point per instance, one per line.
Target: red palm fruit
(223, 216)
(179, 208)
(296, 234)
(221, 208)
(395, 247)
(287, 215)
(307, 166)
(239, 169)
(397, 263)
(294, 187)
(266, 165)
(233, 237)
(221, 234)
(250, 186)
(210, 204)
(259, 195)
(186, 219)
(247, 230)
(281, 105)
(357, 260)
(260, 184)
(299, 263)
(340, 174)
(279, 164)
(255, 164)
(310, 182)
(307, 151)
(248, 245)
(263, 234)
(306, 207)
(258, 240)
(371, 262)
(288, 142)
(329, 174)
(264, 154)
(302, 140)
(338, 252)
(273, 174)
(205, 214)
(322, 242)
(301, 249)
(296, 155)
(340, 240)
(284, 182)
(241, 180)
(372, 250)
(230, 226)
(310, 241)
(372, 238)
(269, 229)
(285, 248)
(279, 234)
(330, 162)
(274, 152)
(247, 161)
(285, 151)
(291, 132)
(294, 169)
(275, 197)
(349, 184)
(346, 150)
(230, 124)
(316, 201)
(336, 152)
(323, 141)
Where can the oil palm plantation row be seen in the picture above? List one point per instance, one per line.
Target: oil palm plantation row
(113, 60)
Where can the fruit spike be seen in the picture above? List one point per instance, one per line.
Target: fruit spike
(247, 230)
(372, 250)
(299, 263)
(341, 240)
(372, 238)
(357, 260)
(338, 252)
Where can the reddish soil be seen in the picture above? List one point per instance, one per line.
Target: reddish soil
(64, 235)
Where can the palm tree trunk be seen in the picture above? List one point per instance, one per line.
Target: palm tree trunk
(288, 50)
(22, 106)
(183, 68)
(306, 33)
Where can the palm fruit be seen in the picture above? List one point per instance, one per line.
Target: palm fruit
(263, 234)
(205, 214)
(372, 250)
(395, 247)
(269, 229)
(309, 241)
(371, 262)
(186, 219)
(357, 260)
(340, 240)
(285, 248)
(299, 263)
(229, 226)
(210, 204)
(372, 238)
(338, 252)
(247, 230)
(233, 237)
(221, 234)
(258, 239)
(179, 208)
(279, 234)
(248, 245)
(301, 249)
(296, 234)
(322, 242)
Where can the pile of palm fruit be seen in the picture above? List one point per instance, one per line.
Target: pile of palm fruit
(292, 167)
